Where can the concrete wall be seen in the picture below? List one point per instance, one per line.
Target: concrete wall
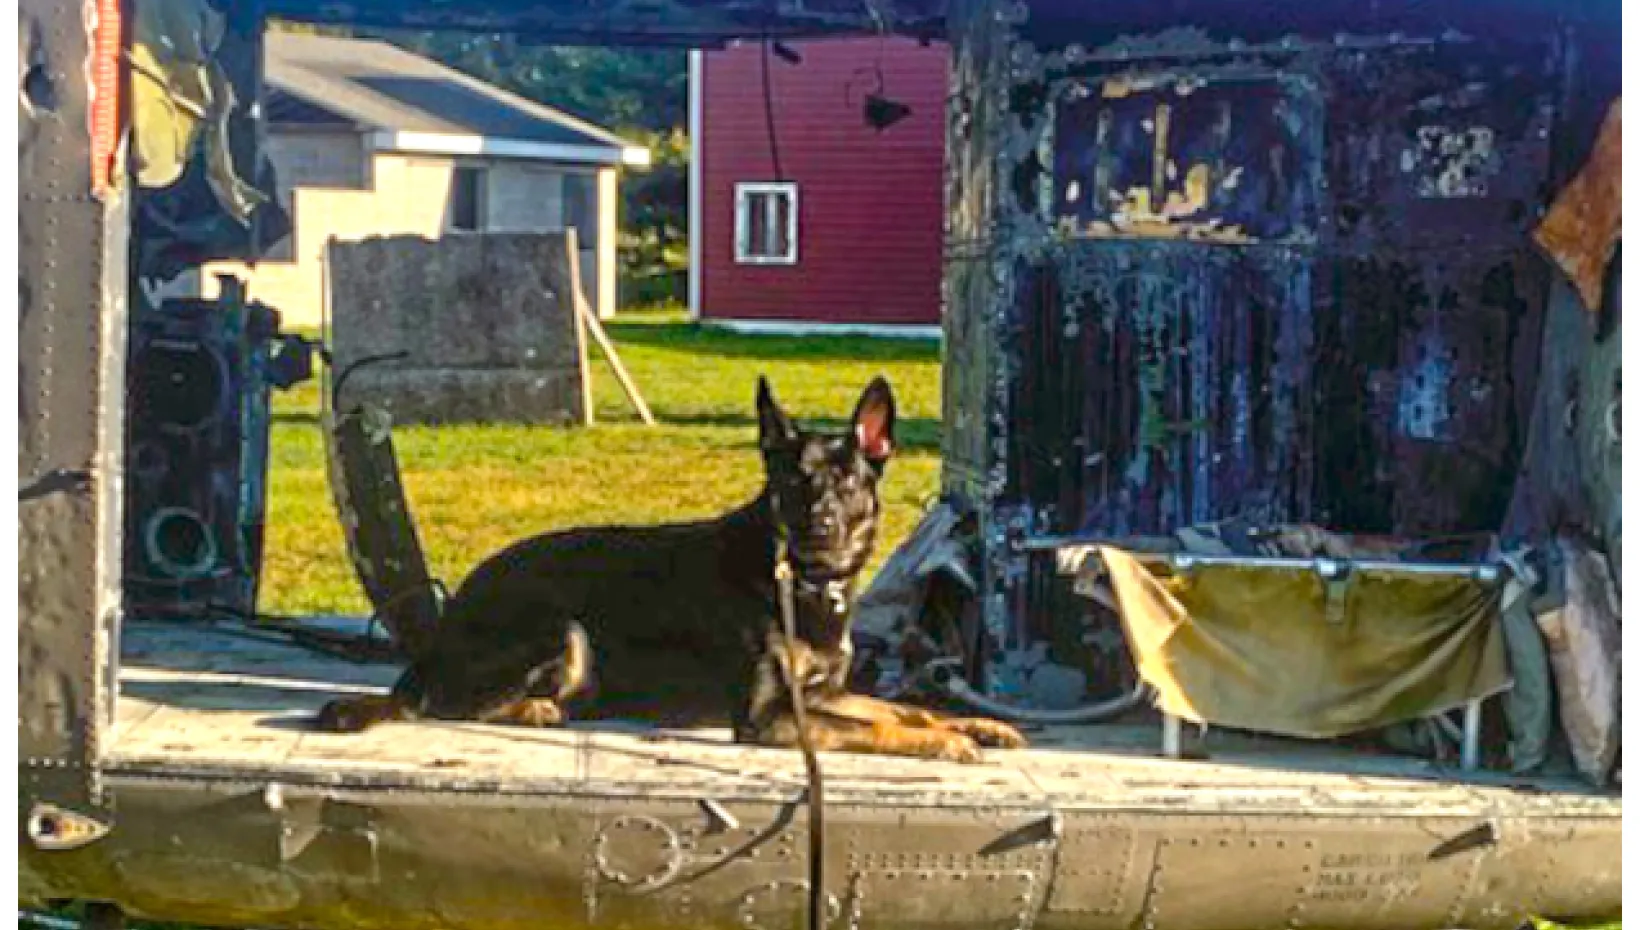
(334, 187)
(486, 321)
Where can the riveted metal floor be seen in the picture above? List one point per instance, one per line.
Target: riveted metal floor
(229, 810)
(194, 698)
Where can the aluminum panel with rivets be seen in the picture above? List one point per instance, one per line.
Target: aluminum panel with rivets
(71, 350)
(238, 851)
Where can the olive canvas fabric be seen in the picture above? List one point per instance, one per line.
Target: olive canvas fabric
(1283, 651)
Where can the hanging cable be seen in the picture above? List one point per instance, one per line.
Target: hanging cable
(768, 112)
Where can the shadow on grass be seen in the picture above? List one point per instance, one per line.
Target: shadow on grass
(921, 434)
(704, 340)
(914, 434)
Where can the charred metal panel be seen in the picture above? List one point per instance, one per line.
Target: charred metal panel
(1271, 279)
(1228, 239)
(71, 352)
(1441, 144)
(1439, 170)
(1140, 27)
(1173, 387)
(1219, 155)
(975, 277)
(1417, 372)
(197, 438)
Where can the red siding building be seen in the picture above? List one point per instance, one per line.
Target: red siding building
(850, 236)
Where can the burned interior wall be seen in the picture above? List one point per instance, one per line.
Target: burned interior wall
(1284, 287)
(973, 382)
(1275, 278)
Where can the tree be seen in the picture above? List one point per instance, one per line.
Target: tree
(655, 222)
(625, 89)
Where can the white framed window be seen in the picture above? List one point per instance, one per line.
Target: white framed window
(766, 223)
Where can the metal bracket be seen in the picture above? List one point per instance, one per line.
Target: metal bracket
(718, 817)
(1045, 830)
(303, 827)
(1335, 579)
(1324, 567)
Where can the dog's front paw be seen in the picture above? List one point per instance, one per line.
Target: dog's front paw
(949, 746)
(991, 733)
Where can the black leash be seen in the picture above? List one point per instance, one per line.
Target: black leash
(784, 579)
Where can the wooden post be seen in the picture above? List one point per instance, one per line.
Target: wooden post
(587, 320)
(590, 320)
(572, 249)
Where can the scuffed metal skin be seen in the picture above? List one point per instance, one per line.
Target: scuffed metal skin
(241, 852)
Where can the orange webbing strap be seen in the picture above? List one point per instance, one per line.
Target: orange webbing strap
(106, 88)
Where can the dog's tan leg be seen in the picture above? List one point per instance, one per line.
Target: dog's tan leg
(879, 709)
(982, 730)
(352, 715)
(883, 738)
(922, 742)
(530, 712)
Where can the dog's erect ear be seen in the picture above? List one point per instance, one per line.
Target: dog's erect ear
(873, 429)
(774, 428)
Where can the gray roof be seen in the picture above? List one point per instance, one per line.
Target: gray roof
(382, 87)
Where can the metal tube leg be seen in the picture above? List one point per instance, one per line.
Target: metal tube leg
(1171, 732)
(1470, 755)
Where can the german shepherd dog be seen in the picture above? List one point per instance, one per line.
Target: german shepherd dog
(681, 625)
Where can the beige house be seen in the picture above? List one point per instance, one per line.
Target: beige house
(370, 140)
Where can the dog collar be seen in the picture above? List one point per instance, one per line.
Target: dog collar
(833, 591)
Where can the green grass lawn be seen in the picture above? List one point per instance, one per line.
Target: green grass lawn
(475, 488)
